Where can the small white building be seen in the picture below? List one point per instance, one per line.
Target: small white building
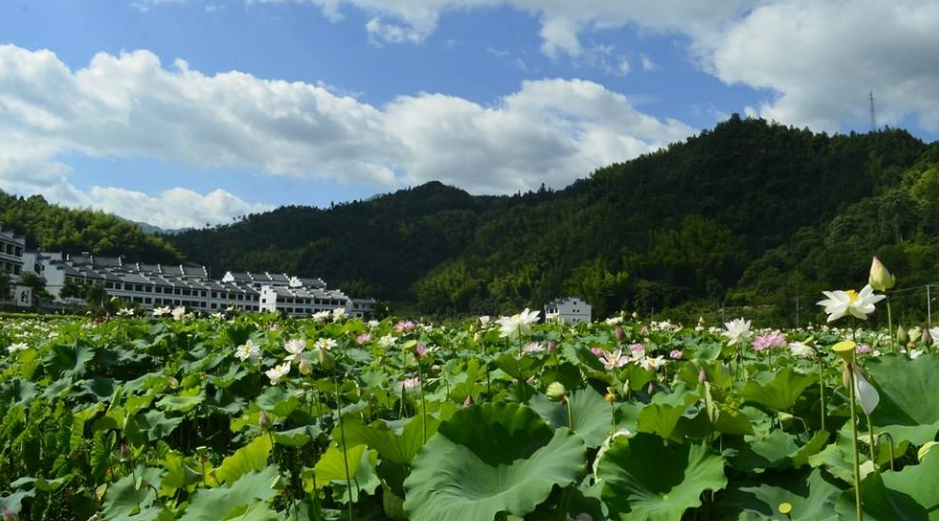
(569, 310)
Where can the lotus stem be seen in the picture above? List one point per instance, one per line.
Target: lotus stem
(345, 454)
(570, 414)
(821, 387)
(890, 447)
(890, 331)
(870, 432)
(856, 457)
(420, 375)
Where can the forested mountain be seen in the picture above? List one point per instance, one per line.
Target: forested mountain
(53, 228)
(747, 211)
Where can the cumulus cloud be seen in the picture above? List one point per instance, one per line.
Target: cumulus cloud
(130, 105)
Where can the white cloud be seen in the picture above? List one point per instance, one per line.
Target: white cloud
(821, 59)
(647, 63)
(543, 133)
(174, 208)
(550, 131)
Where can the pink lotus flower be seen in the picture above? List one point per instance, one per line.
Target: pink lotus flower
(637, 349)
(613, 360)
(863, 349)
(675, 354)
(769, 341)
(363, 339)
(405, 326)
(598, 351)
(409, 383)
(532, 347)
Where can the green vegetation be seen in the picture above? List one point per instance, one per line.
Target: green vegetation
(53, 228)
(263, 418)
(748, 213)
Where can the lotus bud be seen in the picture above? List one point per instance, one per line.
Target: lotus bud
(610, 395)
(902, 336)
(264, 420)
(124, 451)
(552, 346)
(9, 515)
(927, 337)
(556, 392)
(468, 401)
(881, 279)
(419, 351)
(620, 335)
(326, 359)
(702, 376)
(305, 365)
(651, 389)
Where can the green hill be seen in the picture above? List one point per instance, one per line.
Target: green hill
(749, 211)
(54, 228)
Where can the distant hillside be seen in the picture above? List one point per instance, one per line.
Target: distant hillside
(749, 210)
(54, 228)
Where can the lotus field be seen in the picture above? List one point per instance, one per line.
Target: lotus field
(256, 417)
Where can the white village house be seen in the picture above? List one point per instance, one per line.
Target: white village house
(569, 310)
(153, 285)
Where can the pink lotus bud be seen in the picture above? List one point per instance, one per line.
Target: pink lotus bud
(468, 401)
(620, 335)
(264, 420)
(702, 376)
(675, 354)
(420, 350)
(552, 346)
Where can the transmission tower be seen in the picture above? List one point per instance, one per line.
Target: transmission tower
(873, 112)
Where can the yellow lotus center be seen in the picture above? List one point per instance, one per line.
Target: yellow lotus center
(852, 295)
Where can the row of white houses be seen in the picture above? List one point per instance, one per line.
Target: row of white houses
(157, 285)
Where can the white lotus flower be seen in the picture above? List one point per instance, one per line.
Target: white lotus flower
(613, 360)
(517, 325)
(915, 353)
(320, 316)
(325, 344)
(484, 321)
(386, 341)
(159, 312)
(653, 364)
(612, 321)
(841, 303)
(294, 347)
(801, 350)
(934, 335)
(125, 312)
(19, 346)
(738, 331)
(178, 313)
(339, 314)
(246, 351)
(277, 372)
(372, 324)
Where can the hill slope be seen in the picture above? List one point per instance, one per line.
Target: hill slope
(749, 209)
(54, 228)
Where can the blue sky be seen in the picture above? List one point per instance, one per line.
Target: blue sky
(314, 101)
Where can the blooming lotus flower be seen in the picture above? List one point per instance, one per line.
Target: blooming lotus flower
(386, 341)
(862, 349)
(19, 346)
(532, 347)
(880, 279)
(613, 360)
(801, 349)
(768, 341)
(363, 339)
(178, 313)
(405, 326)
(294, 347)
(612, 321)
(915, 353)
(246, 351)
(653, 364)
(125, 312)
(484, 321)
(325, 344)
(675, 354)
(161, 311)
(277, 372)
(218, 316)
(738, 331)
(373, 324)
(320, 316)
(517, 325)
(339, 314)
(934, 335)
(409, 383)
(840, 303)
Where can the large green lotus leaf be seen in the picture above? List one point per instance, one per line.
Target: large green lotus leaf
(663, 414)
(592, 415)
(837, 458)
(778, 391)
(909, 495)
(151, 426)
(646, 480)
(812, 498)
(184, 402)
(245, 499)
(122, 499)
(252, 456)
(18, 392)
(490, 459)
(330, 471)
(909, 403)
(779, 449)
(68, 360)
(398, 445)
